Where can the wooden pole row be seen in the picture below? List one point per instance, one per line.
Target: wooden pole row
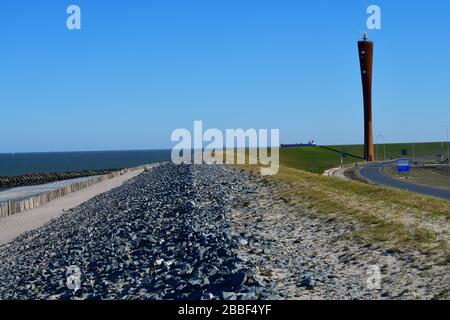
(8, 208)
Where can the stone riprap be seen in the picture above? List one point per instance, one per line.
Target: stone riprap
(208, 232)
(163, 235)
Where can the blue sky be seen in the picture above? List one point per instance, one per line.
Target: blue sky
(140, 69)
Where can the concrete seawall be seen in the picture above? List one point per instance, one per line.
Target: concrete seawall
(8, 208)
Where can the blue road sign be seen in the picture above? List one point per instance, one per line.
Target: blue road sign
(403, 165)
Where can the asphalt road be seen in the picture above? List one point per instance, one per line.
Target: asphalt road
(375, 174)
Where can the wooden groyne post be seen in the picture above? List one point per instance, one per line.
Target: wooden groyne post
(8, 208)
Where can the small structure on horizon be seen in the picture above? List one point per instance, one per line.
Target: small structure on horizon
(311, 143)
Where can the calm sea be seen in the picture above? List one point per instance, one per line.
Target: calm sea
(22, 163)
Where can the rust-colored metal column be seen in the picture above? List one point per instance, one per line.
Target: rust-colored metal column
(365, 48)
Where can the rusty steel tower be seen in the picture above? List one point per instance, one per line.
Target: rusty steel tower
(365, 48)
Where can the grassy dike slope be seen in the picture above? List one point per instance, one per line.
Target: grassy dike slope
(396, 219)
(317, 159)
(312, 159)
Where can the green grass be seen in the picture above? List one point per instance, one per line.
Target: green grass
(398, 219)
(312, 159)
(317, 160)
(395, 219)
(394, 150)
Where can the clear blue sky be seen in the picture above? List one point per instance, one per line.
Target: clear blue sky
(139, 69)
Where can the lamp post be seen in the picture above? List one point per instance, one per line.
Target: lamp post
(380, 136)
(448, 148)
(413, 148)
(448, 152)
(377, 155)
(442, 138)
(442, 142)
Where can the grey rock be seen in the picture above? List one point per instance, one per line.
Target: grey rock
(228, 296)
(307, 281)
(165, 234)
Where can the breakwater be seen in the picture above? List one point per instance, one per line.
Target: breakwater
(11, 207)
(41, 178)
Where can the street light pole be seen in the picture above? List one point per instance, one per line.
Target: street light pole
(442, 143)
(448, 148)
(448, 153)
(380, 136)
(376, 152)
